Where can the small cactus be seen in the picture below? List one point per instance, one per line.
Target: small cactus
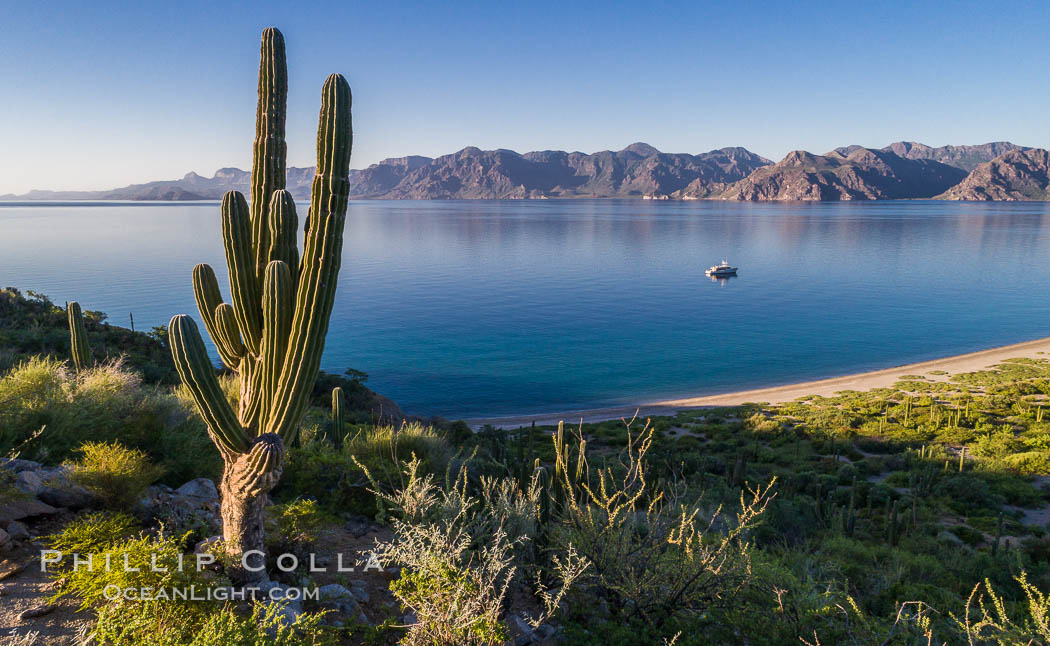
(80, 349)
(338, 403)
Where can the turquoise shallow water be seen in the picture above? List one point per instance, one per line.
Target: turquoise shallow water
(468, 309)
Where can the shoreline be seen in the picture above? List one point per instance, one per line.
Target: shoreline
(883, 378)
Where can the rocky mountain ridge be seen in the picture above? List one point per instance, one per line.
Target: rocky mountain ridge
(862, 174)
(902, 170)
(1015, 176)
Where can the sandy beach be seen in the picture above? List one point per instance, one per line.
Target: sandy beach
(776, 394)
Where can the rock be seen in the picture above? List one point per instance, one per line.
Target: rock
(546, 631)
(59, 489)
(276, 594)
(409, 618)
(29, 482)
(338, 597)
(27, 508)
(524, 631)
(333, 591)
(204, 545)
(360, 594)
(358, 525)
(36, 611)
(5, 540)
(9, 568)
(17, 531)
(18, 466)
(202, 488)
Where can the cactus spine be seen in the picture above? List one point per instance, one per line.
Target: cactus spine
(80, 349)
(272, 332)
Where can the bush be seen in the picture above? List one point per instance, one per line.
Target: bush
(654, 558)
(458, 554)
(46, 413)
(117, 475)
(92, 533)
(320, 470)
(294, 527)
(161, 624)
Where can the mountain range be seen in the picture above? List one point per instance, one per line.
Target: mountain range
(903, 170)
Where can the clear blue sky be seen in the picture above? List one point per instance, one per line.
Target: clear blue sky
(97, 95)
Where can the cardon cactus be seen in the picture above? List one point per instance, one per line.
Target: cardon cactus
(273, 331)
(338, 402)
(80, 349)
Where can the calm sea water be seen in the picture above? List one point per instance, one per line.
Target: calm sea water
(468, 309)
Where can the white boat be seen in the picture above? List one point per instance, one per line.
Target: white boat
(723, 269)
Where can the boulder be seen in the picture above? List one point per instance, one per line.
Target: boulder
(26, 508)
(17, 531)
(202, 488)
(29, 482)
(6, 542)
(338, 597)
(523, 630)
(288, 610)
(18, 466)
(59, 490)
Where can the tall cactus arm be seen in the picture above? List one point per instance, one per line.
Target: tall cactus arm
(206, 292)
(320, 263)
(270, 150)
(252, 394)
(284, 230)
(80, 349)
(197, 372)
(227, 338)
(277, 302)
(240, 258)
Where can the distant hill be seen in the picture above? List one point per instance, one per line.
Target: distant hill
(964, 157)
(636, 171)
(862, 174)
(1016, 175)
(902, 170)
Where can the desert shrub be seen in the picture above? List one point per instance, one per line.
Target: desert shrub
(1013, 489)
(333, 477)
(47, 412)
(92, 533)
(986, 620)
(459, 558)
(966, 493)
(207, 626)
(653, 557)
(1030, 462)
(294, 527)
(996, 444)
(116, 474)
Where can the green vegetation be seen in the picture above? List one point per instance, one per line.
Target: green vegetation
(910, 515)
(117, 475)
(157, 565)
